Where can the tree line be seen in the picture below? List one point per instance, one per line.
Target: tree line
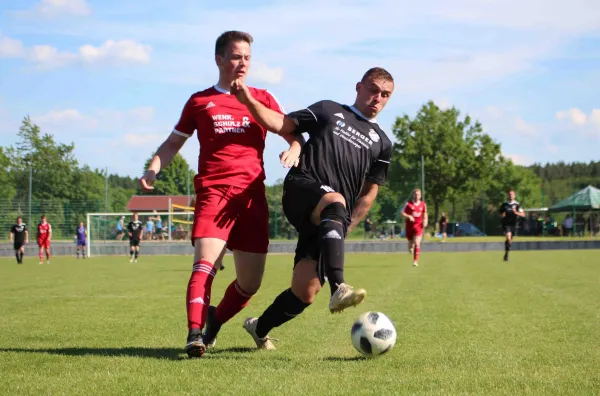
(465, 174)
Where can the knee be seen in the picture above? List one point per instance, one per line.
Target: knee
(249, 287)
(306, 293)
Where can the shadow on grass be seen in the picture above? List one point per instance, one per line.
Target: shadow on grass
(345, 359)
(153, 353)
(156, 353)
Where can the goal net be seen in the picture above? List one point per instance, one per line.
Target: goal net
(111, 228)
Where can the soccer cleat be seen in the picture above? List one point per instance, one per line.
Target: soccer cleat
(212, 328)
(48, 262)
(506, 256)
(195, 345)
(346, 296)
(41, 262)
(415, 264)
(261, 343)
(131, 260)
(136, 260)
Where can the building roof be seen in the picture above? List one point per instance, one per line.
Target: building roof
(148, 203)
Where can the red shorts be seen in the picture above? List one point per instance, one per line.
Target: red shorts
(413, 231)
(236, 215)
(44, 244)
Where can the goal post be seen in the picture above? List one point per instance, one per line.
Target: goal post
(103, 226)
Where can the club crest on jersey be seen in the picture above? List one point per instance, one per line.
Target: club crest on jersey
(340, 124)
(373, 135)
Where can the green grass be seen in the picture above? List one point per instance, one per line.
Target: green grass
(467, 324)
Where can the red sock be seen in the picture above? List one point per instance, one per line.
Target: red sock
(234, 300)
(41, 254)
(198, 293)
(417, 251)
(47, 254)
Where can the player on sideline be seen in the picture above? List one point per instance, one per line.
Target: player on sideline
(135, 231)
(81, 240)
(328, 194)
(415, 212)
(19, 236)
(231, 207)
(44, 236)
(510, 211)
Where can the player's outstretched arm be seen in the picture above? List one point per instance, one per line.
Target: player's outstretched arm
(11, 236)
(425, 218)
(26, 237)
(269, 119)
(163, 157)
(365, 200)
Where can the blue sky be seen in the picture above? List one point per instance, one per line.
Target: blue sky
(112, 76)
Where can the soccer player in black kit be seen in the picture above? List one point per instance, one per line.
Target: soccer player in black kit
(19, 237)
(135, 230)
(510, 211)
(341, 167)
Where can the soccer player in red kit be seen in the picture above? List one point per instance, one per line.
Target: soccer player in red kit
(44, 236)
(231, 208)
(415, 212)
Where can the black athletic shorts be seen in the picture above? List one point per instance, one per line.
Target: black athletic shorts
(506, 228)
(300, 197)
(134, 242)
(18, 245)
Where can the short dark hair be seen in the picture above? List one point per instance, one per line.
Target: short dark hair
(19, 218)
(229, 37)
(378, 73)
(43, 216)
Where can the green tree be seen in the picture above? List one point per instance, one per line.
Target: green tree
(53, 163)
(174, 179)
(458, 156)
(8, 190)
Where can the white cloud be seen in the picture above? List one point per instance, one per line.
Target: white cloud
(519, 159)
(143, 140)
(574, 115)
(503, 123)
(263, 73)
(525, 128)
(56, 119)
(142, 114)
(11, 48)
(595, 117)
(126, 51)
(109, 53)
(53, 8)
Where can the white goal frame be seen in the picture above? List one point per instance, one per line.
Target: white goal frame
(129, 214)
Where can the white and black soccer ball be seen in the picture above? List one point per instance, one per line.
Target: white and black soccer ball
(373, 334)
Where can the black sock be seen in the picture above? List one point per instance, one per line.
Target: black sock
(507, 246)
(137, 253)
(21, 256)
(331, 238)
(18, 256)
(283, 309)
(131, 253)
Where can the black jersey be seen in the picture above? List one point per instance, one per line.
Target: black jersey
(344, 149)
(135, 228)
(19, 233)
(511, 208)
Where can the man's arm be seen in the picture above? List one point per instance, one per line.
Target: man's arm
(163, 157)
(269, 119)
(404, 214)
(11, 236)
(27, 237)
(425, 217)
(363, 203)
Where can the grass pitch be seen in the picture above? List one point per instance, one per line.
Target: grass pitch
(468, 323)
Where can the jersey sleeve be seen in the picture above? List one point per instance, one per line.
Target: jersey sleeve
(187, 122)
(379, 169)
(502, 209)
(272, 103)
(308, 120)
(129, 227)
(13, 230)
(406, 209)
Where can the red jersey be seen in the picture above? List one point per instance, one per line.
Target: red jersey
(231, 141)
(416, 211)
(43, 231)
